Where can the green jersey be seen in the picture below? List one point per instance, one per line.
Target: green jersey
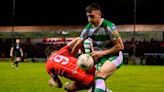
(102, 36)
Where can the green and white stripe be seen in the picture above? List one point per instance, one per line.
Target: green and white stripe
(102, 35)
(87, 45)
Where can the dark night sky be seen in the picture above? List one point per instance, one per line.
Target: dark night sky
(72, 12)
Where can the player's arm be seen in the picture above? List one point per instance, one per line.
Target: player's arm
(116, 40)
(76, 46)
(118, 46)
(73, 42)
(54, 80)
(21, 51)
(11, 51)
(82, 37)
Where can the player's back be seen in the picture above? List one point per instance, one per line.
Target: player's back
(63, 63)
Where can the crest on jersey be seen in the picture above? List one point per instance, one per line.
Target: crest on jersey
(114, 27)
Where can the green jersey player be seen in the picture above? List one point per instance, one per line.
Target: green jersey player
(107, 45)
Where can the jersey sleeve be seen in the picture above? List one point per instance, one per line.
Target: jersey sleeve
(85, 33)
(112, 31)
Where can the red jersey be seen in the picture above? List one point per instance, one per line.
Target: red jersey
(63, 63)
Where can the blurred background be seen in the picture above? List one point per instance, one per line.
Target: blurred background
(40, 23)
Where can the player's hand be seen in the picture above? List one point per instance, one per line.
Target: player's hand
(56, 83)
(11, 55)
(22, 55)
(97, 54)
(51, 82)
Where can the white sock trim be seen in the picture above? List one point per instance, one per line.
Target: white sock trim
(100, 83)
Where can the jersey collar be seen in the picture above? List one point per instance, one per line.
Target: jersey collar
(102, 19)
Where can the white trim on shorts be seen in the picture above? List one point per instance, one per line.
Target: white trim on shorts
(118, 60)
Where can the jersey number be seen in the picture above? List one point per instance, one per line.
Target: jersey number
(61, 59)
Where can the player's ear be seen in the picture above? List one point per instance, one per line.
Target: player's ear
(100, 13)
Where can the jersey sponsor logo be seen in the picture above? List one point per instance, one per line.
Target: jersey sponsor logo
(114, 27)
(17, 46)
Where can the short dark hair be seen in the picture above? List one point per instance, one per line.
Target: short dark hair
(49, 50)
(93, 6)
(18, 38)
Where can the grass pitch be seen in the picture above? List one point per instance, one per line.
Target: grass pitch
(32, 77)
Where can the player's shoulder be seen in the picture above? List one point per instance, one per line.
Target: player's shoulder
(13, 45)
(88, 26)
(109, 24)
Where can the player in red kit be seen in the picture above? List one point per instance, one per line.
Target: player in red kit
(63, 63)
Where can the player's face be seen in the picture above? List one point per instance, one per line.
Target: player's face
(17, 40)
(93, 16)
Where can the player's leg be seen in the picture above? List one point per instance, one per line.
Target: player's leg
(76, 86)
(93, 87)
(13, 64)
(18, 59)
(70, 87)
(82, 83)
(106, 69)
